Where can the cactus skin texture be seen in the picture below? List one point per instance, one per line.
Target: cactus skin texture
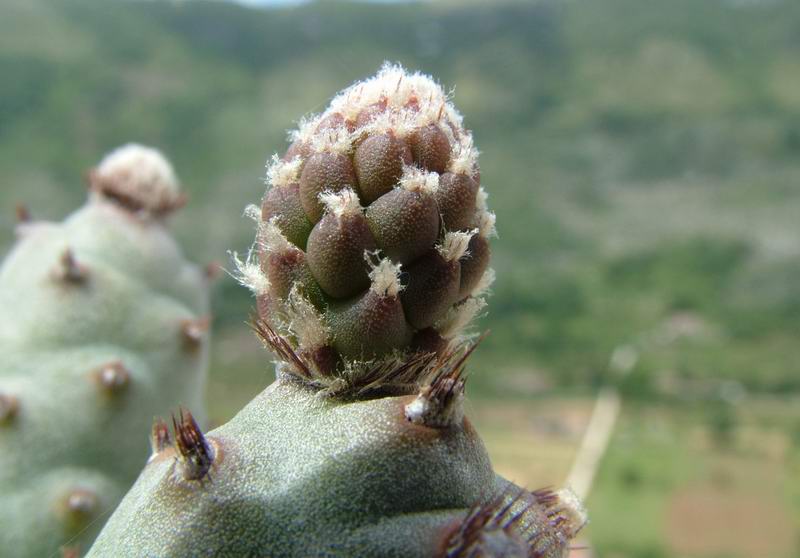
(102, 327)
(361, 446)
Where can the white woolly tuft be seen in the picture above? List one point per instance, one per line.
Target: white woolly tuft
(252, 211)
(271, 238)
(343, 202)
(485, 283)
(139, 173)
(459, 317)
(418, 180)
(455, 244)
(486, 224)
(571, 508)
(332, 140)
(481, 199)
(417, 94)
(282, 173)
(465, 157)
(248, 273)
(418, 409)
(401, 123)
(385, 275)
(305, 322)
(305, 129)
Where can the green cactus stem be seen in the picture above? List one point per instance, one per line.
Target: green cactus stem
(103, 324)
(361, 446)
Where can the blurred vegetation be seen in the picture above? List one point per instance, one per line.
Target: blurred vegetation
(643, 158)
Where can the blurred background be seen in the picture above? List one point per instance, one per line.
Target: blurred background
(643, 158)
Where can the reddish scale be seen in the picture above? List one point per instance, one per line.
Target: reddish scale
(289, 267)
(283, 203)
(335, 121)
(335, 254)
(473, 265)
(430, 148)
(405, 224)
(433, 285)
(378, 163)
(324, 172)
(367, 115)
(456, 197)
(369, 327)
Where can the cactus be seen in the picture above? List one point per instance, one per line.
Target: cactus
(102, 326)
(372, 259)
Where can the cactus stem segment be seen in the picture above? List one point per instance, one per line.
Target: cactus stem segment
(195, 454)
(9, 407)
(112, 378)
(69, 270)
(159, 437)
(194, 331)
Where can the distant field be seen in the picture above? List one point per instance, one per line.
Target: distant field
(672, 483)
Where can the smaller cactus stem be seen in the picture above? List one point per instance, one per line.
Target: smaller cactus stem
(195, 454)
(23, 214)
(159, 437)
(194, 332)
(112, 378)
(71, 551)
(69, 270)
(9, 408)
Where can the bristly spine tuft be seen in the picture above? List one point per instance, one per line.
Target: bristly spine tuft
(491, 528)
(160, 438)
(195, 454)
(438, 404)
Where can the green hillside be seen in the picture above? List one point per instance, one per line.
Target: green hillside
(643, 158)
